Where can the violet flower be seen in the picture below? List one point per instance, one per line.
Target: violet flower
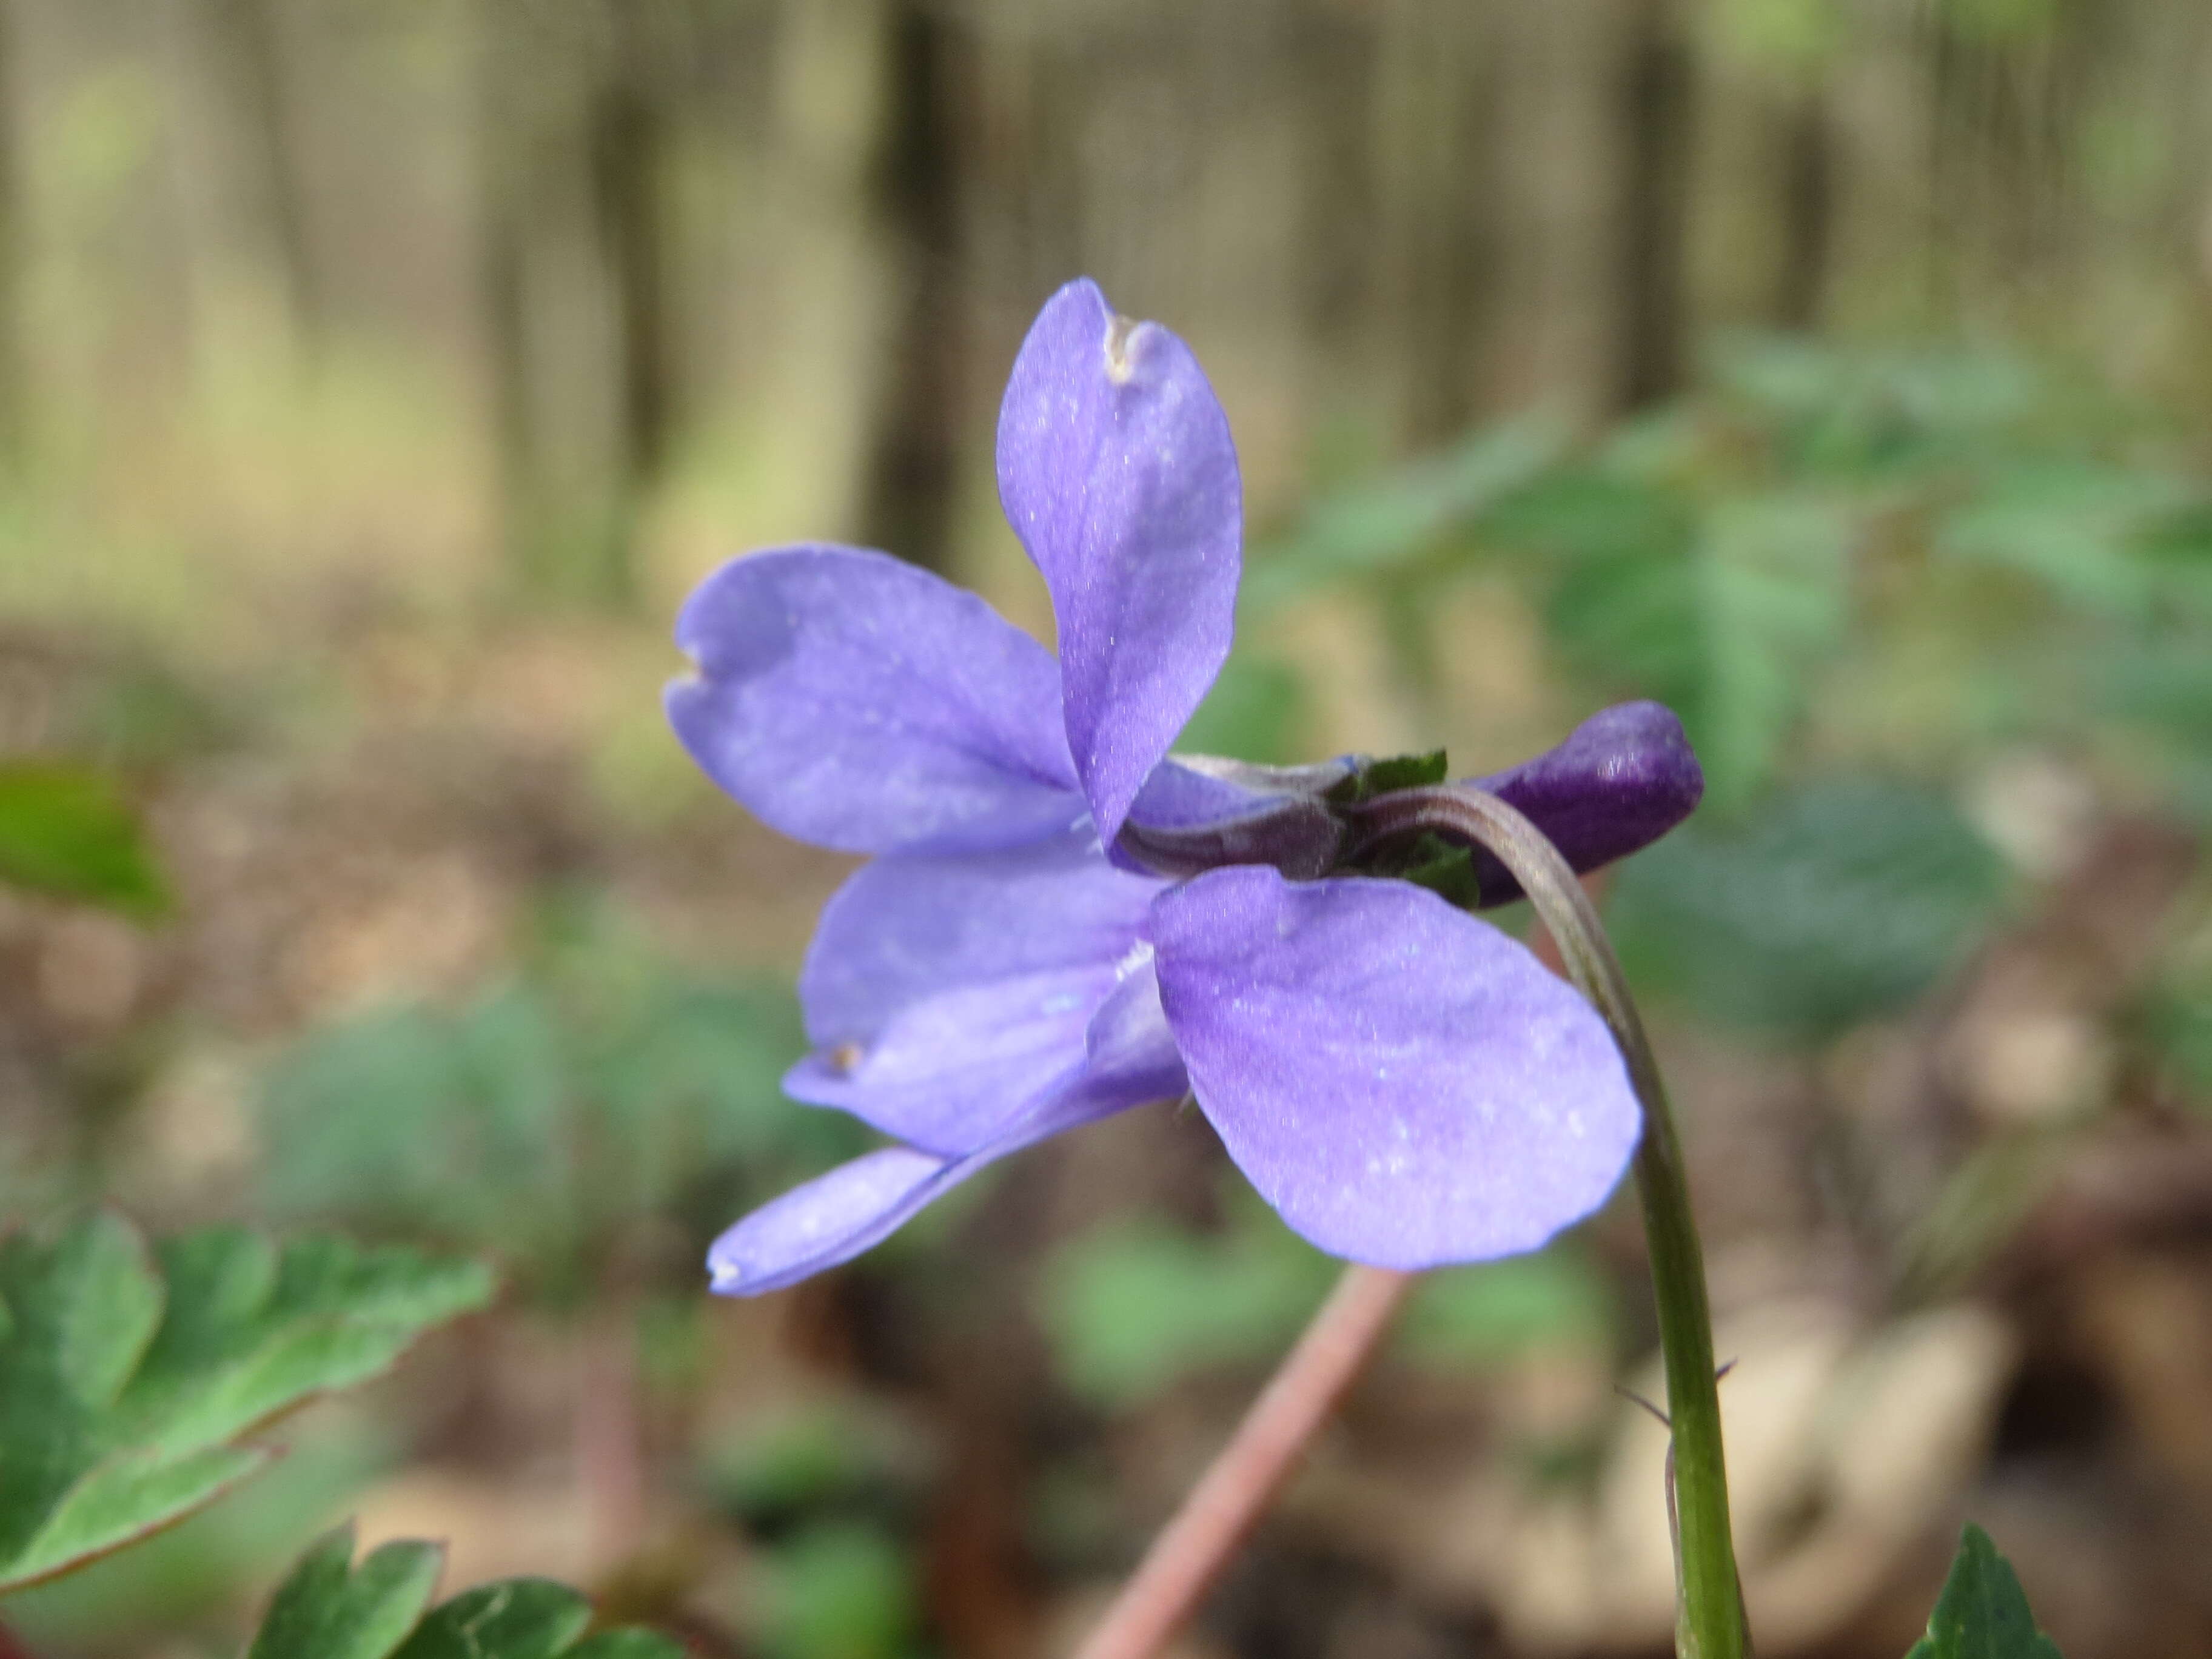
(1059, 923)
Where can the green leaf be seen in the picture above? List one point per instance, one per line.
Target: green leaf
(515, 1619)
(127, 1381)
(65, 831)
(1982, 1614)
(1825, 907)
(329, 1608)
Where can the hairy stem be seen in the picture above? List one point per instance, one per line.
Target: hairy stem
(1709, 1607)
(1191, 1551)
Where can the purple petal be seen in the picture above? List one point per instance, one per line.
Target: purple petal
(1624, 777)
(1132, 1051)
(859, 703)
(946, 995)
(836, 1216)
(911, 926)
(1117, 471)
(950, 1072)
(831, 1219)
(1405, 1085)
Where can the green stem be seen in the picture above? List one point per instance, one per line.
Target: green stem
(1709, 1600)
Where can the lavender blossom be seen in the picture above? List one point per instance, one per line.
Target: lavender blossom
(1060, 923)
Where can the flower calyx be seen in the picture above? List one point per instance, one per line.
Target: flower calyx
(1203, 813)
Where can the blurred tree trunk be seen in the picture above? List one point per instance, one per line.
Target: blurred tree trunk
(575, 144)
(504, 218)
(1439, 69)
(15, 394)
(1336, 84)
(1658, 112)
(627, 138)
(248, 55)
(910, 485)
(1808, 193)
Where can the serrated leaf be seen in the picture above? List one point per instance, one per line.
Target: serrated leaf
(127, 1378)
(1983, 1613)
(328, 1609)
(65, 830)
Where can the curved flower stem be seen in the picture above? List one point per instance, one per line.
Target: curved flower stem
(1709, 1599)
(1191, 1551)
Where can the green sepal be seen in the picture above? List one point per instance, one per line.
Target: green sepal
(1983, 1613)
(1444, 867)
(1384, 777)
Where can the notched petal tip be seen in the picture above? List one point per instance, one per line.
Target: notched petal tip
(1121, 360)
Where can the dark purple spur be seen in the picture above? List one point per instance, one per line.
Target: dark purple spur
(1060, 923)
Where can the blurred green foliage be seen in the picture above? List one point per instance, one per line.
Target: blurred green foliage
(1253, 712)
(1134, 1309)
(832, 1496)
(840, 1591)
(562, 1119)
(128, 1380)
(1825, 905)
(1857, 575)
(66, 831)
(830, 1458)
